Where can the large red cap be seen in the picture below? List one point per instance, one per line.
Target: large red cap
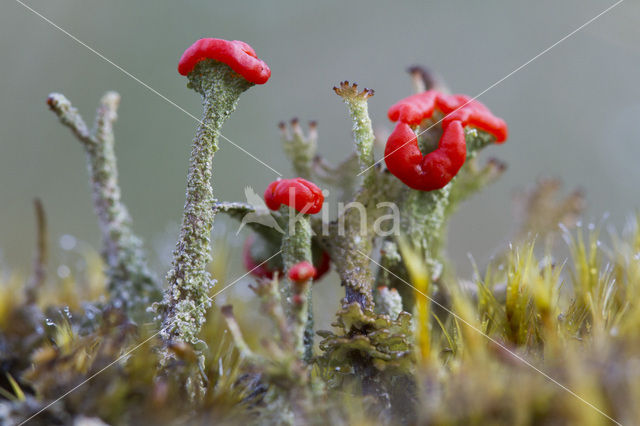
(425, 172)
(413, 109)
(237, 54)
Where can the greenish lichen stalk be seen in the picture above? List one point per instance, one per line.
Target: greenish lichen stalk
(343, 176)
(300, 148)
(426, 216)
(187, 297)
(347, 240)
(362, 129)
(296, 248)
(130, 283)
(422, 222)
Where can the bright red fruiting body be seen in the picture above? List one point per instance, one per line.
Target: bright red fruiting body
(425, 172)
(302, 271)
(480, 119)
(262, 270)
(435, 169)
(302, 195)
(237, 54)
(323, 266)
(412, 110)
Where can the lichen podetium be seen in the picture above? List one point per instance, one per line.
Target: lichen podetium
(131, 285)
(187, 297)
(296, 248)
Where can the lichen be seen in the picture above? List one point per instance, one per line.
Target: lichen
(526, 339)
(186, 300)
(131, 285)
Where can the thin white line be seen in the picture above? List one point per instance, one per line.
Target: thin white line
(134, 349)
(494, 341)
(91, 377)
(501, 80)
(248, 272)
(127, 73)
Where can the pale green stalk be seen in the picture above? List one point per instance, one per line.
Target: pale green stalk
(187, 297)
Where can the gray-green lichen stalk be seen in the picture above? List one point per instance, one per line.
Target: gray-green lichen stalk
(362, 129)
(131, 285)
(299, 148)
(425, 217)
(426, 213)
(187, 297)
(347, 240)
(296, 248)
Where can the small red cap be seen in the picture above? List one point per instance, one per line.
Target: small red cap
(302, 271)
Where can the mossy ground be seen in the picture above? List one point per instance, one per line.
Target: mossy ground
(489, 347)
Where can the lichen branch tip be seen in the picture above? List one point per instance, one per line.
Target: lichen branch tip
(349, 91)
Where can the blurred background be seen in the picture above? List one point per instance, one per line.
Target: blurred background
(573, 113)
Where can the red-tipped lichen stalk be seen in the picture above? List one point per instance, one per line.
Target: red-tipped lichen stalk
(296, 199)
(220, 71)
(466, 126)
(300, 276)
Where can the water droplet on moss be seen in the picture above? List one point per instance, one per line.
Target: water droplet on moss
(68, 242)
(64, 271)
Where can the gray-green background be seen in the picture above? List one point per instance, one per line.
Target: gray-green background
(573, 113)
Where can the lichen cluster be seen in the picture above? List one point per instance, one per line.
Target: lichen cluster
(528, 339)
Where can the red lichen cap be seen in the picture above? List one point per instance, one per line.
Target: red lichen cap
(413, 109)
(237, 54)
(302, 271)
(479, 118)
(473, 113)
(323, 265)
(302, 195)
(260, 269)
(425, 172)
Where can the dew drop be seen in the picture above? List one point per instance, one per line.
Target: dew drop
(64, 271)
(68, 242)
